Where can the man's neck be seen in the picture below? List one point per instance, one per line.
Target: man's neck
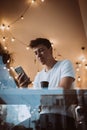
(50, 64)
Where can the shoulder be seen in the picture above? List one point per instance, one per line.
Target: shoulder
(66, 65)
(65, 62)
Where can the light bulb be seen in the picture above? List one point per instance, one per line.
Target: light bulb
(42, 0)
(4, 39)
(2, 26)
(77, 69)
(22, 17)
(85, 66)
(33, 1)
(27, 48)
(79, 79)
(8, 27)
(5, 48)
(13, 39)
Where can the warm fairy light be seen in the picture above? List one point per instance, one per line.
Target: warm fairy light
(42, 0)
(22, 17)
(3, 27)
(5, 48)
(12, 68)
(85, 66)
(77, 69)
(83, 59)
(80, 64)
(52, 44)
(79, 79)
(16, 77)
(8, 69)
(27, 48)
(8, 27)
(33, 1)
(4, 39)
(8, 61)
(12, 39)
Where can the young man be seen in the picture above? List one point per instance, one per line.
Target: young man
(59, 74)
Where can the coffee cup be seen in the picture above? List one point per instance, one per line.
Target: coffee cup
(44, 84)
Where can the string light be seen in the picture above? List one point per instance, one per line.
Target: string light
(5, 47)
(4, 68)
(6, 28)
(12, 39)
(42, 0)
(77, 69)
(33, 1)
(22, 17)
(2, 27)
(79, 79)
(81, 67)
(27, 48)
(4, 39)
(85, 66)
(8, 61)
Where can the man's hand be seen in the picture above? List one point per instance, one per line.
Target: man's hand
(23, 81)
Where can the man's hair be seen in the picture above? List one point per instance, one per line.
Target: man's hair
(6, 55)
(40, 41)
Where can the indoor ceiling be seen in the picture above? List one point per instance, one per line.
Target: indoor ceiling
(64, 22)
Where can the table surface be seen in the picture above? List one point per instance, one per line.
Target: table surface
(27, 96)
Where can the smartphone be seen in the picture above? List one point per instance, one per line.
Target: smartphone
(19, 70)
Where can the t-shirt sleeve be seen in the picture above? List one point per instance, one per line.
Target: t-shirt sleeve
(67, 69)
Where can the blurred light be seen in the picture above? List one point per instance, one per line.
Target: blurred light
(77, 69)
(8, 61)
(85, 66)
(12, 68)
(5, 48)
(8, 27)
(33, 1)
(27, 48)
(4, 68)
(3, 27)
(13, 39)
(22, 17)
(10, 77)
(8, 69)
(79, 79)
(4, 39)
(80, 64)
(42, 0)
(52, 44)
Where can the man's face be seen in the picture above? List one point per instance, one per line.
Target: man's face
(42, 53)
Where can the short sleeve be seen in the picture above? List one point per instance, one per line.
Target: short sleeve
(67, 69)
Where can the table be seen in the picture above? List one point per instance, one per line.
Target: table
(63, 99)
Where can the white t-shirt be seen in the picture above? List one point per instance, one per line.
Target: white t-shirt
(60, 70)
(6, 80)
